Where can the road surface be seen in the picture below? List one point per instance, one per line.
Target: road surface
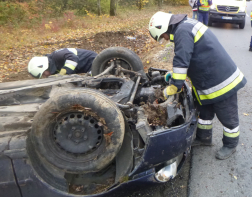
(210, 177)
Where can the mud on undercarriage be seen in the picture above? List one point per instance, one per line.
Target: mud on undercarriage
(86, 135)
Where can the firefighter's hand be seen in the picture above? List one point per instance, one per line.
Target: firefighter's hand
(170, 90)
(62, 71)
(168, 76)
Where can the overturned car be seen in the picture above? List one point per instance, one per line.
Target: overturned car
(102, 135)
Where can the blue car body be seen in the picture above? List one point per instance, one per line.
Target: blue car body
(21, 175)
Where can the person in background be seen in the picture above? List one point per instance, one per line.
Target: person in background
(203, 10)
(250, 47)
(63, 62)
(193, 4)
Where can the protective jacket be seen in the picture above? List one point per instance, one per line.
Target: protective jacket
(200, 56)
(251, 17)
(71, 59)
(193, 4)
(204, 5)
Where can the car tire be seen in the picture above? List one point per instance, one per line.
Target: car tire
(126, 58)
(78, 130)
(242, 25)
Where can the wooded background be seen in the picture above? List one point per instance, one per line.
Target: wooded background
(16, 11)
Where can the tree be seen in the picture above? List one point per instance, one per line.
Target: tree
(99, 7)
(113, 5)
(160, 3)
(141, 4)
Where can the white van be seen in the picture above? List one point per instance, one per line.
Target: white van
(228, 11)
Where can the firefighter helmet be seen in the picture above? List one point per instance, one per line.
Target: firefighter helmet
(37, 66)
(158, 25)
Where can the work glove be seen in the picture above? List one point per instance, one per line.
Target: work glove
(62, 71)
(168, 76)
(170, 90)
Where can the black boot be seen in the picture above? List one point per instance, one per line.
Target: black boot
(250, 48)
(200, 142)
(225, 152)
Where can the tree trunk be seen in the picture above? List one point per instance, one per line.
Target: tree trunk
(99, 7)
(113, 7)
(160, 3)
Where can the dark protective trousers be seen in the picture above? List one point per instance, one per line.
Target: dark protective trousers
(251, 38)
(203, 17)
(227, 113)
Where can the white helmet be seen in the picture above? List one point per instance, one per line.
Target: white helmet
(37, 66)
(158, 25)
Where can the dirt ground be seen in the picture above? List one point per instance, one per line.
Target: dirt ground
(151, 53)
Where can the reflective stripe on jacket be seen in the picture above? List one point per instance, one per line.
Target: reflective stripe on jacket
(200, 56)
(204, 5)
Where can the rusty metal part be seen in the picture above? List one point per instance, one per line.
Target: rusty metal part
(106, 71)
(121, 106)
(134, 91)
(120, 69)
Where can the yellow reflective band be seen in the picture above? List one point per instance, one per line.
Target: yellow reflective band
(223, 90)
(209, 126)
(171, 37)
(70, 66)
(196, 94)
(200, 33)
(204, 8)
(231, 134)
(179, 76)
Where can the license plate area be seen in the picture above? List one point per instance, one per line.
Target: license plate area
(227, 17)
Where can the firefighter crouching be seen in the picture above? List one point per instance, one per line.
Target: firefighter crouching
(215, 77)
(63, 61)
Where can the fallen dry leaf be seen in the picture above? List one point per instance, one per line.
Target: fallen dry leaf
(245, 114)
(109, 134)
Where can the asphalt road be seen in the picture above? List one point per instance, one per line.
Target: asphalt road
(232, 177)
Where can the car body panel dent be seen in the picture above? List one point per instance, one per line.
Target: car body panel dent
(164, 146)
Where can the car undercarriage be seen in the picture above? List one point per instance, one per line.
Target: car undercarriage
(102, 135)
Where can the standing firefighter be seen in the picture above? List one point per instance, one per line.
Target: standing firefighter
(203, 11)
(214, 76)
(63, 61)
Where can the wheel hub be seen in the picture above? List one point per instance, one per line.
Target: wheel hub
(124, 64)
(77, 133)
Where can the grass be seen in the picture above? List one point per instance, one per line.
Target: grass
(74, 27)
